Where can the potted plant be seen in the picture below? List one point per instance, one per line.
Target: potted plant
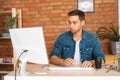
(11, 23)
(112, 34)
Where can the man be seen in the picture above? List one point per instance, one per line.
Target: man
(76, 46)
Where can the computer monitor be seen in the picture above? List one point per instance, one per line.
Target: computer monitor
(31, 39)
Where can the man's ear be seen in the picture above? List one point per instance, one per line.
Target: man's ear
(83, 22)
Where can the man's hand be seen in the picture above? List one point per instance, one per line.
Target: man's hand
(87, 63)
(67, 62)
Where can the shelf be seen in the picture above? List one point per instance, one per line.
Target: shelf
(4, 72)
(1, 63)
(3, 12)
(5, 42)
(4, 38)
(15, 12)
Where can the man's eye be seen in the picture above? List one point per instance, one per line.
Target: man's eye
(69, 22)
(74, 22)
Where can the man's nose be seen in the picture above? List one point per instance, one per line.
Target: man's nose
(71, 25)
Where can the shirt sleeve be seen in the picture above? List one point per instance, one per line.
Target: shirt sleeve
(97, 49)
(57, 48)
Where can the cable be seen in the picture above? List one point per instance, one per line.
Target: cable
(18, 61)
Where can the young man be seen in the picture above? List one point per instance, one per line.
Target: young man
(76, 46)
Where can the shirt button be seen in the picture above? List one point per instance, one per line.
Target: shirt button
(67, 48)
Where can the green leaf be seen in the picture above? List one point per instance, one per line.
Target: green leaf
(108, 32)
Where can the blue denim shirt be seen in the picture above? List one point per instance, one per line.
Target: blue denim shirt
(90, 46)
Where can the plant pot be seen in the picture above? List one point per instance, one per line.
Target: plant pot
(6, 35)
(115, 48)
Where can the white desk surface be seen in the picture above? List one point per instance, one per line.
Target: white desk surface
(62, 75)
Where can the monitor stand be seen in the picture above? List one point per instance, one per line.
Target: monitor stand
(23, 66)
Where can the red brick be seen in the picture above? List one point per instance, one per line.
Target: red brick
(109, 1)
(52, 15)
(98, 1)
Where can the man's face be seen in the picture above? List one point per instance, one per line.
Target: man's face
(75, 24)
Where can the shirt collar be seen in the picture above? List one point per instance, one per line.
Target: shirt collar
(83, 33)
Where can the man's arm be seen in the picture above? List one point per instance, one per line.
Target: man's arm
(58, 61)
(97, 49)
(68, 62)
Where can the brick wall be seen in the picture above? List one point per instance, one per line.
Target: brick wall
(52, 16)
(1, 3)
(5, 48)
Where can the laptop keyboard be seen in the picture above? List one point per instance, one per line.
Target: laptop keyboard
(71, 68)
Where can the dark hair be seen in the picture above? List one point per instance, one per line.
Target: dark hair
(77, 12)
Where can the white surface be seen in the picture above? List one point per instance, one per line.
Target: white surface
(4, 72)
(64, 78)
(66, 75)
(31, 39)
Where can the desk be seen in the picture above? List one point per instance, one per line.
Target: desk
(65, 75)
